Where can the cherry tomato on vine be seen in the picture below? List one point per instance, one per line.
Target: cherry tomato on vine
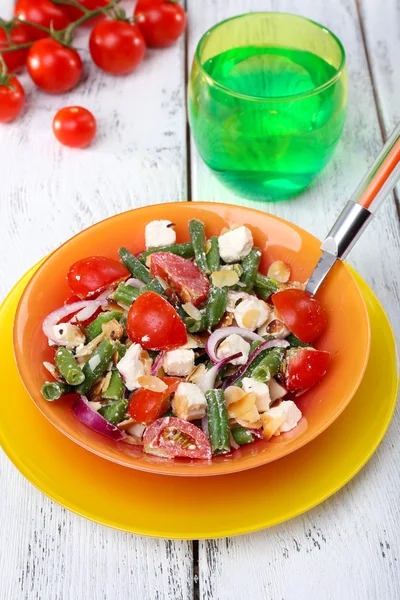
(19, 34)
(74, 126)
(12, 97)
(53, 67)
(75, 14)
(161, 22)
(42, 12)
(117, 47)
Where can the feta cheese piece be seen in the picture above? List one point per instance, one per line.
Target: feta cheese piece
(261, 391)
(276, 390)
(133, 365)
(189, 402)
(234, 245)
(179, 363)
(251, 313)
(66, 332)
(137, 430)
(159, 233)
(232, 345)
(290, 411)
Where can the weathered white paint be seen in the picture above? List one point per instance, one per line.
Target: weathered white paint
(49, 193)
(348, 547)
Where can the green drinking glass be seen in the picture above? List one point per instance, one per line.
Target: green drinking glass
(267, 102)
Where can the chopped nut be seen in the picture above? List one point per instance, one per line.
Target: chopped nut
(89, 348)
(192, 311)
(224, 278)
(241, 407)
(149, 382)
(125, 424)
(197, 373)
(226, 320)
(233, 393)
(280, 271)
(112, 330)
(270, 425)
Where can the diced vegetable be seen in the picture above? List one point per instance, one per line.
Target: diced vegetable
(250, 265)
(94, 420)
(218, 422)
(242, 436)
(68, 367)
(114, 413)
(213, 258)
(183, 276)
(94, 328)
(185, 250)
(96, 365)
(115, 389)
(216, 305)
(134, 265)
(171, 437)
(198, 237)
(53, 390)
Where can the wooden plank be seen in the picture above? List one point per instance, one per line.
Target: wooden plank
(49, 193)
(349, 546)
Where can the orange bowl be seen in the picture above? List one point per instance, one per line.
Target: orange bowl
(347, 336)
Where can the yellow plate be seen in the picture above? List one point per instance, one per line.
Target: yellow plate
(177, 507)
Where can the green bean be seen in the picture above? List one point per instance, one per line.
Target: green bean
(213, 257)
(68, 367)
(134, 265)
(250, 266)
(185, 250)
(153, 286)
(115, 390)
(198, 237)
(120, 348)
(94, 328)
(295, 342)
(126, 294)
(265, 286)
(96, 365)
(53, 390)
(216, 306)
(218, 427)
(115, 413)
(268, 366)
(196, 325)
(242, 436)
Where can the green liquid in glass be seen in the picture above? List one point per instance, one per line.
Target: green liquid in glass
(266, 147)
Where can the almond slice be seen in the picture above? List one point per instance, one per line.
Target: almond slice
(252, 415)
(90, 347)
(270, 425)
(280, 271)
(192, 311)
(112, 330)
(224, 278)
(242, 406)
(250, 425)
(207, 246)
(197, 373)
(149, 382)
(233, 393)
(250, 318)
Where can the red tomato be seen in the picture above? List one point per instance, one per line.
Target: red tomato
(185, 277)
(145, 406)
(305, 367)
(42, 12)
(53, 67)
(74, 126)
(154, 323)
(171, 437)
(301, 312)
(74, 13)
(161, 23)
(19, 35)
(12, 97)
(95, 274)
(117, 47)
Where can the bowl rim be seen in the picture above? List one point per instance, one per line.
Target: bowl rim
(222, 467)
(278, 99)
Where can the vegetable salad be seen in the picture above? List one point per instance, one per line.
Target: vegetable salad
(186, 349)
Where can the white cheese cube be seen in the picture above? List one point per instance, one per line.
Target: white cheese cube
(179, 363)
(189, 402)
(234, 245)
(159, 233)
(132, 366)
(290, 411)
(137, 430)
(71, 334)
(251, 313)
(261, 391)
(232, 345)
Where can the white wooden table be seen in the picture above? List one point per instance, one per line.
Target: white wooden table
(348, 547)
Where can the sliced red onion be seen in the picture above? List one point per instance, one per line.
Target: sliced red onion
(265, 346)
(92, 419)
(207, 382)
(157, 363)
(91, 307)
(258, 433)
(220, 334)
(135, 283)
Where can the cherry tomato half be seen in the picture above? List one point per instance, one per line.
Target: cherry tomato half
(75, 13)
(117, 47)
(171, 437)
(53, 67)
(42, 12)
(301, 312)
(94, 274)
(145, 405)
(74, 126)
(154, 323)
(185, 277)
(12, 98)
(19, 34)
(161, 23)
(305, 367)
